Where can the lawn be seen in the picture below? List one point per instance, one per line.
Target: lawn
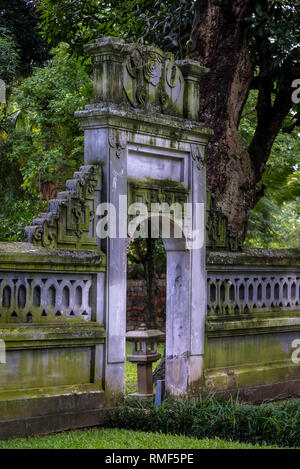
(120, 439)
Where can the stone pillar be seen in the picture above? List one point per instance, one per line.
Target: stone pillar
(105, 145)
(108, 54)
(192, 72)
(187, 296)
(102, 146)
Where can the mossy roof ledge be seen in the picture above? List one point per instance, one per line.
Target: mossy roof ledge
(137, 117)
(192, 68)
(27, 255)
(255, 257)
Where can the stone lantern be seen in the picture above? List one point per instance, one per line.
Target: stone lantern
(144, 352)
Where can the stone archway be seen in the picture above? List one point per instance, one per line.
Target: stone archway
(178, 289)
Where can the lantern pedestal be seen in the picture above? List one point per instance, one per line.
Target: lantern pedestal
(144, 352)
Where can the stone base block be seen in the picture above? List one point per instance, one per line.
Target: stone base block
(266, 393)
(253, 358)
(50, 410)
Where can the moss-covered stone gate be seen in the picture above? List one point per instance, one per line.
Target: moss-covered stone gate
(232, 316)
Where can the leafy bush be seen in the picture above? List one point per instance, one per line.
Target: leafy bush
(14, 219)
(275, 220)
(47, 141)
(8, 56)
(211, 417)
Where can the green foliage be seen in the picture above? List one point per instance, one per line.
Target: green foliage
(273, 29)
(21, 17)
(8, 56)
(275, 48)
(47, 141)
(275, 220)
(165, 24)
(273, 226)
(47, 144)
(276, 21)
(14, 217)
(16, 208)
(137, 251)
(210, 417)
(40, 141)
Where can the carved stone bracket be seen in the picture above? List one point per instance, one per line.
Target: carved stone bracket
(70, 221)
(117, 140)
(198, 156)
(156, 192)
(219, 233)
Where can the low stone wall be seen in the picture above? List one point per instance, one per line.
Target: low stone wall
(253, 324)
(137, 297)
(53, 334)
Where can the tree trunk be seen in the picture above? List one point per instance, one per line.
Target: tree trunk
(149, 272)
(47, 190)
(219, 42)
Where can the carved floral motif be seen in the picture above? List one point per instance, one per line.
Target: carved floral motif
(151, 76)
(219, 233)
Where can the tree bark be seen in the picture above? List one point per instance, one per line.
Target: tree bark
(219, 42)
(149, 272)
(47, 190)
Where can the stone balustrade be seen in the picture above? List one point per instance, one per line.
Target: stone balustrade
(31, 293)
(253, 282)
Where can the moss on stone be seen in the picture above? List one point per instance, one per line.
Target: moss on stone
(255, 257)
(25, 256)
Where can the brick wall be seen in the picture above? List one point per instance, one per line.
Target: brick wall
(137, 294)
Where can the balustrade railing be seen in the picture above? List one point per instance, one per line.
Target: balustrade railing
(38, 297)
(244, 283)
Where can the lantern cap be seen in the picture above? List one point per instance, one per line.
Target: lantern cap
(142, 333)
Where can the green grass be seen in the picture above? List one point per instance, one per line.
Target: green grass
(120, 439)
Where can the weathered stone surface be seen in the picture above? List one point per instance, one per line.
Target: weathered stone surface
(145, 77)
(23, 414)
(142, 140)
(22, 336)
(143, 128)
(257, 353)
(26, 256)
(255, 257)
(219, 233)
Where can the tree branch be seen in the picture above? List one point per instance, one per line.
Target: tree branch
(270, 116)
